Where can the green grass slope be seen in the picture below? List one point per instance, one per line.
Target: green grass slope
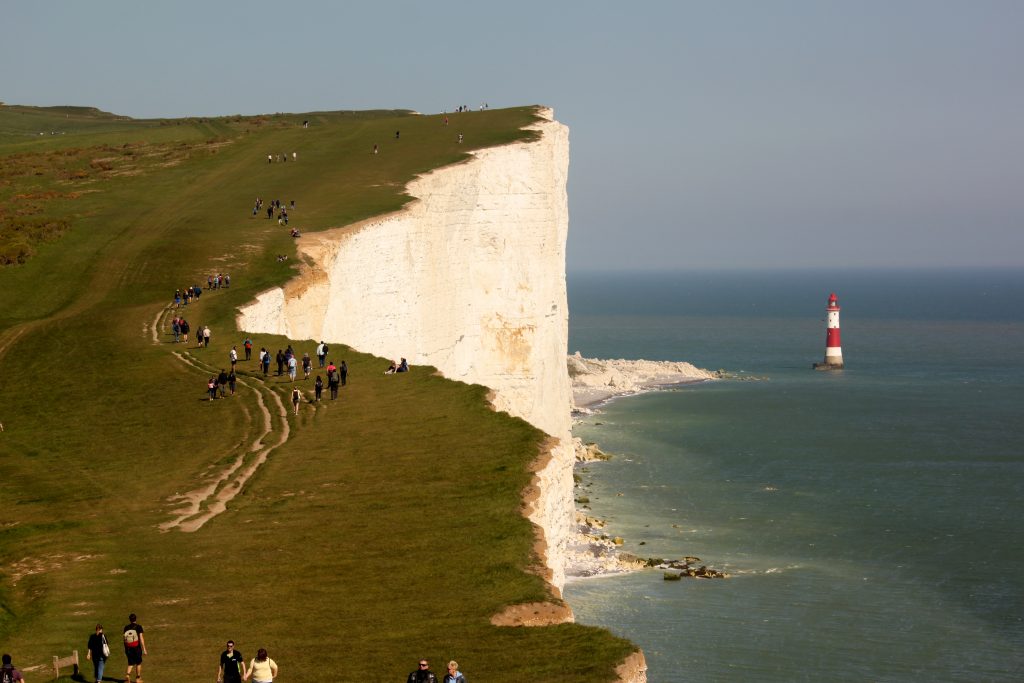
(385, 527)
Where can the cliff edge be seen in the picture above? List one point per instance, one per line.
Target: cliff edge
(469, 277)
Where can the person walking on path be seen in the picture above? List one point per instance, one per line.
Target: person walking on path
(176, 329)
(266, 361)
(321, 353)
(262, 669)
(318, 388)
(307, 365)
(332, 383)
(222, 382)
(343, 373)
(423, 674)
(296, 397)
(232, 381)
(232, 665)
(97, 652)
(453, 675)
(206, 336)
(8, 672)
(184, 329)
(233, 356)
(134, 648)
(248, 348)
(211, 387)
(280, 362)
(292, 367)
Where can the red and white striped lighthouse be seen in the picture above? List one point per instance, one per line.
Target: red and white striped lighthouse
(833, 348)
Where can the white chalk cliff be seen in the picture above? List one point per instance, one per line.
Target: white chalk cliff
(469, 278)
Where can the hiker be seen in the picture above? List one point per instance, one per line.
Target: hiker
(460, 138)
(397, 134)
(248, 348)
(321, 352)
(184, 329)
(332, 382)
(343, 373)
(292, 366)
(266, 361)
(296, 397)
(307, 365)
(270, 159)
(375, 149)
(97, 651)
(176, 329)
(222, 382)
(232, 380)
(453, 675)
(280, 362)
(134, 648)
(318, 388)
(233, 356)
(211, 387)
(232, 665)
(262, 669)
(8, 673)
(423, 674)
(206, 336)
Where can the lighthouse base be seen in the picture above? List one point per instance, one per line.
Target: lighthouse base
(829, 365)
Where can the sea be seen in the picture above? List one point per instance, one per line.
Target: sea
(869, 518)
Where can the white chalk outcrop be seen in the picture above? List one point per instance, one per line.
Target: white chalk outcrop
(595, 380)
(470, 278)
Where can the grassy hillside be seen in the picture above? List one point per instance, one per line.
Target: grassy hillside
(385, 527)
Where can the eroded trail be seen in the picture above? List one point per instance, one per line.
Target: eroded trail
(266, 432)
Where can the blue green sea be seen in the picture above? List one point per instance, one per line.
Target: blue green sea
(870, 518)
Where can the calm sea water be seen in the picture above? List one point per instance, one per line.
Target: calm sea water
(870, 518)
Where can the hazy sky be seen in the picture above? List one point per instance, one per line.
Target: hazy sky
(714, 134)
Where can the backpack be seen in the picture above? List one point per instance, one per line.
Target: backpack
(7, 676)
(325, 349)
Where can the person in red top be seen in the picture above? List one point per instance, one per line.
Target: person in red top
(134, 648)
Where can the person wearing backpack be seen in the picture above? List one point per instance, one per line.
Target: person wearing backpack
(9, 674)
(97, 651)
(134, 648)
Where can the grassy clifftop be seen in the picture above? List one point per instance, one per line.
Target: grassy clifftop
(380, 528)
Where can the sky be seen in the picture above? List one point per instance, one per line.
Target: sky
(704, 135)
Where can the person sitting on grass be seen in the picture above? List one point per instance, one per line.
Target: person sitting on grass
(403, 366)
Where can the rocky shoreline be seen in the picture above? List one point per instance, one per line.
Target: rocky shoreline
(593, 552)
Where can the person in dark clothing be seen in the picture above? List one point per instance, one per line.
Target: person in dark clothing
(423, 674)
(232, 665)
(222, 382)
(97, 651)
(318, 387)
(9, 672)
(232, 382)
(332, 383)
(343, 372)
(280, 358)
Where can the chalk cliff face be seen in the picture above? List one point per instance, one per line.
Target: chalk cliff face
(469, 278)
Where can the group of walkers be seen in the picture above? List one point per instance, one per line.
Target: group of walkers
(423, 674)
(98, 649)
(181, 327)
(231, 668)
(225, 383)
(183, 297)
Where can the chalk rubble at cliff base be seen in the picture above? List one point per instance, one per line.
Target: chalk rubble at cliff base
(594, 380)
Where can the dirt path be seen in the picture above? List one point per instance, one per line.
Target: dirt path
(198, 506)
